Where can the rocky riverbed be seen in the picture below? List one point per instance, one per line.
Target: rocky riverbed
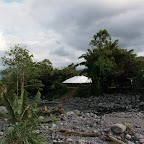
(99, 115)
(95, 119)
(90, 123)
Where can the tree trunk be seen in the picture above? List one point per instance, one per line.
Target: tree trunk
(17, 78)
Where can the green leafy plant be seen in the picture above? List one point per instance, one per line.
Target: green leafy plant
(20, 110)
(25, 132)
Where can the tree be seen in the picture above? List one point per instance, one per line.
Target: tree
(107, 64)
(45, 71)
(99, 62)
(20, 72)
(69, 72)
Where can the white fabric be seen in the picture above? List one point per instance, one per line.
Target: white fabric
(78, 79)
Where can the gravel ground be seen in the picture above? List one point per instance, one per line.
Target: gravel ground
(96, 115)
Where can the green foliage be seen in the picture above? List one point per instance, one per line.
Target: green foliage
(19, 110)
(20, 72)
(48, 120)
(3, 114)
(8, 105)
(83, 91)
(3, 137)
(25, 133)
(2, 88)
(109, 65)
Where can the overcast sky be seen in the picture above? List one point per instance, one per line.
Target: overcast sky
(60, 30)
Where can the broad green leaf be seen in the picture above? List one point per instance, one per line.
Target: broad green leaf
(9, 108)
(23, 100)
(36, 100)
(15, 103)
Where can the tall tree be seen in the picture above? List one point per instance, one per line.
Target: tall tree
(20, 71)
(99, 62)
(106, 63)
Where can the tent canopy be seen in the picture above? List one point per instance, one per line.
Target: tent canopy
(78, 79)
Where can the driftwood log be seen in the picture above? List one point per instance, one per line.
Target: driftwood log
(110, 137)
(107, 137)
(68, 132)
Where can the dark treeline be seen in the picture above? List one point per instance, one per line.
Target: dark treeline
(22, 73)
(105, 63)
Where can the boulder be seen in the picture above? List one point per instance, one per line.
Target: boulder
(138, 136)
(118, 128)
(141, 141)
(3, 109)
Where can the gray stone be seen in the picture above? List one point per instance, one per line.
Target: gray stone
(141, 103)
(118, 137)
(70, 113)
(54, 141)
(81, 141)
(118, 128)
(10, 129)
(1, 133)
(69, 140)
(41, 117)
(129, 142)
(3, 109)
(63, 117)
(139, 136)
(53, 127)
(36, 131)
(128, 136)
(142, 141)
(77, 112)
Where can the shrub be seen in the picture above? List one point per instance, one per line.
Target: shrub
(25, 133)
(19, 110)
(83, 91)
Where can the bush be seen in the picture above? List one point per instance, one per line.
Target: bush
(57, 90)
(25, 133)
(83, 91)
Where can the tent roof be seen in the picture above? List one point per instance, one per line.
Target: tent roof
(78, 79)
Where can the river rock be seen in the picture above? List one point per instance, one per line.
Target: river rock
(10, 129)
(54, 141)
(118, 128)
(69, 140)
(138, 136)
(129, 142)
(41, 117)
(1, 133)
(70, 113)
(141, 103)
(2, 108)
(81, 141)
(142, 141)
(128, 136)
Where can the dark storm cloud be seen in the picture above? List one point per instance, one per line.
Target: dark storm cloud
(61, 30)
(77, 22)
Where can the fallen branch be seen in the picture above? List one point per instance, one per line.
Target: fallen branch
(68, 132)
(110, 137)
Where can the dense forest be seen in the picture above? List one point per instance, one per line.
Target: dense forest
(105, 63)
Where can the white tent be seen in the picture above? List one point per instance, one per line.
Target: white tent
(78, 79)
